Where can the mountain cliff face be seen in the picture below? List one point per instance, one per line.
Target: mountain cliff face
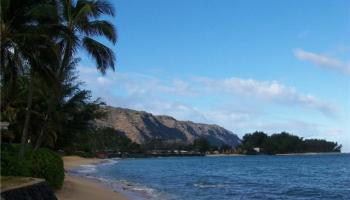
(141, 127)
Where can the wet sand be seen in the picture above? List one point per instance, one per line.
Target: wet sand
(75, 188)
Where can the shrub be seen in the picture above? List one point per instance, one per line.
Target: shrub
(43, 163)
(47, 164)
(11, 165)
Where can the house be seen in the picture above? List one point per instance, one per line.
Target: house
(257, 149)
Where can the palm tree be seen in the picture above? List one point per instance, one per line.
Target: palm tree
(26, 42)
(39, 39)
(23, 34)
(69, 109)
(81, 23)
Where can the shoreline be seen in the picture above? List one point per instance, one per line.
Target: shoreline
(279, 154)
(309, 154)
(224, 154)
(77, 187)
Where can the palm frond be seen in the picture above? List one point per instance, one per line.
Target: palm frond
(81, 14)
(97, 8)
(103, 55)
(101, 28)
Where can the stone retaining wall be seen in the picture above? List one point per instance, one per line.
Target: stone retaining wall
(35, 190)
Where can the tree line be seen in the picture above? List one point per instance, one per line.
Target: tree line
(111, 140)
(282, 143)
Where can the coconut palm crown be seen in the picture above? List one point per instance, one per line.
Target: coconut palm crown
(81, 23)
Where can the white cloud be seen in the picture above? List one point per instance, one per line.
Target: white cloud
(267, 90)
(136, 83)
(140, 86)
(323, 61)
(178, 87)
(103, 81)
(334, 132)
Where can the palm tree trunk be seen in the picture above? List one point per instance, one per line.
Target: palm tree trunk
(2, 60)
(41, 134)
(66, 58)
(27, 116)
(39, 140)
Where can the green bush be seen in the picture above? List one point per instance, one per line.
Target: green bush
(43, 163)
(11, 165)
(47, 164)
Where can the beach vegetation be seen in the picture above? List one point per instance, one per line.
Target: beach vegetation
(48, 165)
(42, 97)
(43, 163)
(201, 144)
(87, 144)
(283, 143)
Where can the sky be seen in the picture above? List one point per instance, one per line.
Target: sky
(245, 65)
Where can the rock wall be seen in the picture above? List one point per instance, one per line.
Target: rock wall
(37, 190)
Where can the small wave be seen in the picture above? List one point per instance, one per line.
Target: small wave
(111, 161)
(130, 189)
(91, 168)
(85, 169)
(146, 190)
(209, 185)
(142, 192)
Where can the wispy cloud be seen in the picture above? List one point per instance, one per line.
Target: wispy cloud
(202, 87)
(267, 90)
(135, 83)
(323, 61)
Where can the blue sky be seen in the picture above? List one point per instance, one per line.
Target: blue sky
(245, 65)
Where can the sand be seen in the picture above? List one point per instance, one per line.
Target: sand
(75, 188)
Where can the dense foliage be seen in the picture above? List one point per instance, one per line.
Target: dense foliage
(200, 145)
(259, 142)
(163, 145)
(110, 139)
(99, 140)
(48, 165)
(41, 96)
(42, 163)
(11, 165)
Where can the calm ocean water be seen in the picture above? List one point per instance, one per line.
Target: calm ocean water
(241, 177)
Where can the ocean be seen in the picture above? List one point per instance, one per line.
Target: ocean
(227, 177)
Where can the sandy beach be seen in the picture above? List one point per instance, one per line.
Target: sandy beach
(80, 188)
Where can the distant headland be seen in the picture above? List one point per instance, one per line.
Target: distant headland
(165, 136)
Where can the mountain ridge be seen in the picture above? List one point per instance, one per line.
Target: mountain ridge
(142, 126)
